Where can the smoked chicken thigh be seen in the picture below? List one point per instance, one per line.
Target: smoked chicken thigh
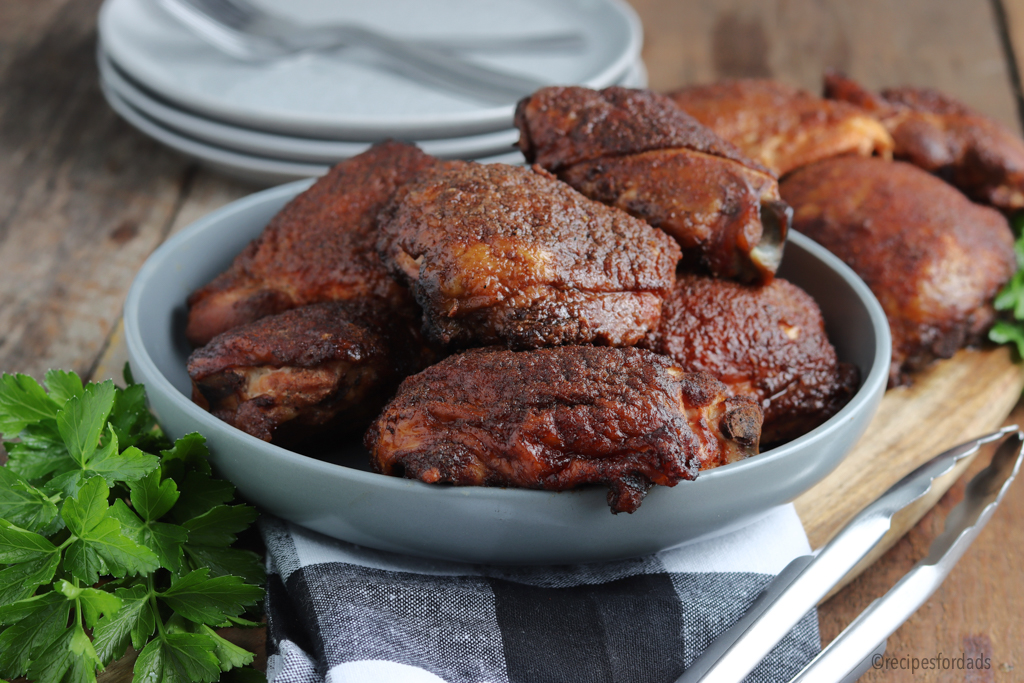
(510, 255)
(932, 257)
(780, 126)
(768, 342)
(288, 376)
(559, 418)
(320, 247)
(946, 137)
(636, 150)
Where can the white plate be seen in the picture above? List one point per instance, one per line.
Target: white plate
(344, 94)
(256, 169)
(290, 148)
(265, 170)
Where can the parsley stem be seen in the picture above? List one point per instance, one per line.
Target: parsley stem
(70, 539)
(156, 608)
(78, 605)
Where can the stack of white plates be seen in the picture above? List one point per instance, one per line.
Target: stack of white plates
(296, 116)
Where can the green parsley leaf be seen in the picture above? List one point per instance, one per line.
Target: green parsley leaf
(82, 420)
(166, 540)
(245, 674)
(229, 654)
(66, 520)
(33, 462)
(1011, 297)
(55, 660)
(179, 624)
(19, 545)
(126, 372)
(71, 659)
(209, 536)
(93, 600)
(23, 402)
(188, 453)
(114, 465)
(100, 546)
(200, 493)
(16, 611)
(64, 385)
(178, 658)
(132, 421)
(227, 562)
(22, 504)
(153, 498)
(46, 619)
(67, 484)
(39, 452)
(218, 526)
(134, 623)
(18, 581)
(1004, 332)
(96, 602)
(203, 600)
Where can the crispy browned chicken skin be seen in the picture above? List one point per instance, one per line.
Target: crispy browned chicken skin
(289, 376)
(505, 254)
(780, 126)
(768, 342)
(636, 150)
(944, 136)
(320, 247)
(932, 257)
(559, 418)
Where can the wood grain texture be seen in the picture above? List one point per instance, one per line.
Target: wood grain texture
(952, 45)
(208, 191)
(951, 402)
(83, 200)
(1013, 26)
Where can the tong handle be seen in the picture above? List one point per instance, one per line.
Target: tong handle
(886, 614)
(737, 651)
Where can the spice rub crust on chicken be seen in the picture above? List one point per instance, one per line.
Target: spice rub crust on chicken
(510, 255)
(944, 136)
(320, 247)
(932, 257)
(768, 342)
(780, 126)
(560, 418)
(288, 376)
(637, 150)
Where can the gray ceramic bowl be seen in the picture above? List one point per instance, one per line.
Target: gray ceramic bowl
(341, 498)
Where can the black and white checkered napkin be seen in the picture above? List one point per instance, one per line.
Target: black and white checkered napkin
(342, 613)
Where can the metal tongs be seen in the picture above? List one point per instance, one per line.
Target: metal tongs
(806, 580)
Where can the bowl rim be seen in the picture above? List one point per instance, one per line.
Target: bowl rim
(874, 382)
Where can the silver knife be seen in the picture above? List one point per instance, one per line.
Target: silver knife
(802, 584)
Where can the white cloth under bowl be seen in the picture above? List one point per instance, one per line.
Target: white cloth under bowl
(342, 613)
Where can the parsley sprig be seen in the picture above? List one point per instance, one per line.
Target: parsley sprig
(104, 544)
(1010, 330)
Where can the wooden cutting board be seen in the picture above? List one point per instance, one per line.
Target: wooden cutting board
(953, 401)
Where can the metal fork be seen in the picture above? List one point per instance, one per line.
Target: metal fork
(247, 32)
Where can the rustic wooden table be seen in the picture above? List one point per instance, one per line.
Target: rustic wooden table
(84, 198)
